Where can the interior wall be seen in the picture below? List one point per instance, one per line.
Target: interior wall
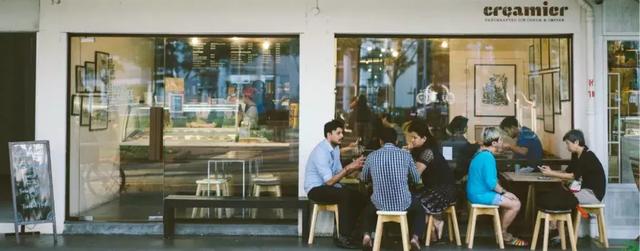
(94, 155)
(465, 53)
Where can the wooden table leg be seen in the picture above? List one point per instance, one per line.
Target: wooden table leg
(169, 221)
(305, 222)
(530, 201)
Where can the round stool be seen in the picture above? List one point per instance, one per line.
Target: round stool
(314, 216)
(474, 211)
(554, 215)
(204, 188)
(392, 216)
(452, 225)
(598, 211)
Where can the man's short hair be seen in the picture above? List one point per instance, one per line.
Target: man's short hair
(388, 135)
(509, 122)
(332, 126)
(575, 135)
(490, 135)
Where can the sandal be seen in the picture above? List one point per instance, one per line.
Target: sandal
(517, 242)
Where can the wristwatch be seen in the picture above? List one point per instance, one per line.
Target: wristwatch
(503, 192)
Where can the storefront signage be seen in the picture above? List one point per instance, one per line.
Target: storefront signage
(532, 13)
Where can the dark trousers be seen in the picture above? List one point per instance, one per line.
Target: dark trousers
(350, 205)
(415, 215)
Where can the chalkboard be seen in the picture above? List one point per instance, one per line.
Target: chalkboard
(32, 186)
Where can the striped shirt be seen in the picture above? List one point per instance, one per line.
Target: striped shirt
(390, 168)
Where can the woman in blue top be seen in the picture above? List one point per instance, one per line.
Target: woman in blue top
(483, 187)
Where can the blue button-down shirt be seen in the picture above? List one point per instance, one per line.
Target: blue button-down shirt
(323, 164)
(390, 169)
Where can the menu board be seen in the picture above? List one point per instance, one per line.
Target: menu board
(31, 182)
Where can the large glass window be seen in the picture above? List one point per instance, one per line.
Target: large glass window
(624, 117)
(151, 116)
(387, 81)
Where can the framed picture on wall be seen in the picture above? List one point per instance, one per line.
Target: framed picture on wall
(537, 85)
(477, 130)
(99, 113)
(557, 106)
(531, 88)
(85, 110)
(494, 86)
(544, 49)
(89, 76)
(532, 62)
(565, 73)
(75, 105)
(80, 84)
(102, 71)
(554, 52)
(537, 54)
(547, 102)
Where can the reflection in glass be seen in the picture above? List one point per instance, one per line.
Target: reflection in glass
(227, 102)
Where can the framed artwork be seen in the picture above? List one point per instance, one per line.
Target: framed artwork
(75, 105)
(557, 106)
(494, 86)
(175, 102)
(544, 49)
(554, 52)
(532, 62)
(80, 84)
(477, 130)
(85, 110)
(537, 54)
(31, 183)
(89, 76)
(547, 103)
(99, 118)
(531, 88)
(565, 73)
(537, 84)
(102, 71)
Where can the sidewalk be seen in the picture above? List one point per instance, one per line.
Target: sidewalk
(120, 242)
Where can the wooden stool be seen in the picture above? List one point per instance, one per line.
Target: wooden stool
(478, 209)
(452, 225)
(314, 216)
(598, 211)
(392, 216)
(267, 183)
(205, 186)
(554, 215)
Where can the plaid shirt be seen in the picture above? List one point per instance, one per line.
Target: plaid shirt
(390, 169)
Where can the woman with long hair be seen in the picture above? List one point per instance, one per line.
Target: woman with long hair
(437, 177)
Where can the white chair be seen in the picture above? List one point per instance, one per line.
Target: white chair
(474, 211)
(598, 211)
(561, 216)
(314, 216)
(204, 187)
(392, 216)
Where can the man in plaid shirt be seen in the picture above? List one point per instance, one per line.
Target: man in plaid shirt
(389, 169)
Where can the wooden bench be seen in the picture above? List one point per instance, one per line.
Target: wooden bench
(172, 202)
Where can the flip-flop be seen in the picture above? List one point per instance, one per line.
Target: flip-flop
(517, 242)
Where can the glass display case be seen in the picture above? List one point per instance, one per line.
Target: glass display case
(196, 124)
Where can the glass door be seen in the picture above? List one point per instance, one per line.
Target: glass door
(623, 116)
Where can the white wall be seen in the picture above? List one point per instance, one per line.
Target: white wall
(19, 15)
(317, 45)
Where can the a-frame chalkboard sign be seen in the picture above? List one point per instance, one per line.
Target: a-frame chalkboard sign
(32, 185)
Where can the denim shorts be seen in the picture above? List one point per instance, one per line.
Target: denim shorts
(497, 199)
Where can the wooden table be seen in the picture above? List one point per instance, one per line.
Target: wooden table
(532, 179)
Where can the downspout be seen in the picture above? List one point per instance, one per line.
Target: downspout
(591, 100)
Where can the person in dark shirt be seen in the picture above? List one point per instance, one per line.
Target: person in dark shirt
(528, 144)
(462, 149)
(437, 177)
(584, 166)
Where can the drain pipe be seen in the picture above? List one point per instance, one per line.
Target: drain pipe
(591, 100)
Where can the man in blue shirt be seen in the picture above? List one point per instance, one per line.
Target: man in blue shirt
(528, 144)
(322, 174)
(390, 169)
